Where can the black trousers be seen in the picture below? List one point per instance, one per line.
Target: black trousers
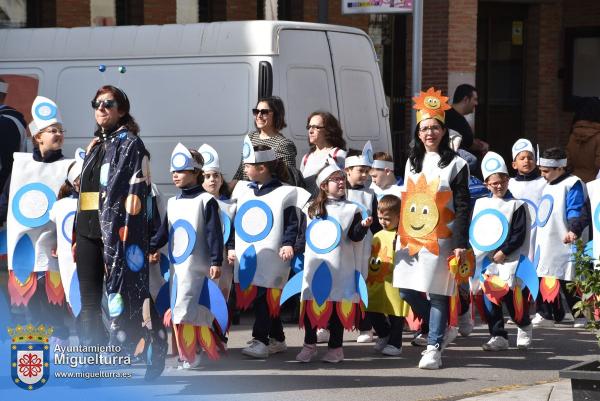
(495, 317)
(555, 310)
(43, 312)
(90, 271)
(336, 331)
(265, 326)
(389, 325)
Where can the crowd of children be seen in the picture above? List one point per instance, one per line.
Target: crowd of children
(349, 245)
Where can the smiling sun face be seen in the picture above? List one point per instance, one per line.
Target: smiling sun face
(424, 216)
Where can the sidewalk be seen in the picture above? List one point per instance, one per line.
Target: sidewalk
(554, 391)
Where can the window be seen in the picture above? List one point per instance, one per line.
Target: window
(582, 63)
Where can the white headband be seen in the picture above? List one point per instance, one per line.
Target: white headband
(382, 164)
(331, 168)
(3, 87)
(552, 162)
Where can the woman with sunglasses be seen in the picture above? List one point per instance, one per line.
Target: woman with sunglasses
(34, 283)
(325, 140)
(112, 234)
(269, 120)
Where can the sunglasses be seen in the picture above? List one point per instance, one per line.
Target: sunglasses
(262, 112)
(107, 104)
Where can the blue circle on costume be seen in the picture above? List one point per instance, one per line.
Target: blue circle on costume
(542, 220)
(104, 174)
(208, 157)
(492, 164)
(533, 206)
(51, 112)
(597, 217)
(82, 154)
(226, 222)
(500, 240)
(183, 166)
(335, 244)
(251, 204)
(364, 212)
(520, 145)
(246, 150)
(63, 227)
(369, 156)
(134, 256)
(37, 221)
(191, 234)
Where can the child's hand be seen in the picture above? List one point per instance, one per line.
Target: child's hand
(73, 247)
(154, 257)
(53, 253)
(367, 222)
(570, 237)
(231, 256)
(214, 272)
(499, 257)
(286, 253)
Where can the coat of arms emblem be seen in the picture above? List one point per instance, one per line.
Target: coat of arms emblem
(30, 355)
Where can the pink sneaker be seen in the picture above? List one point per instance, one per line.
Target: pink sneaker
(308, 352)
(334, 355)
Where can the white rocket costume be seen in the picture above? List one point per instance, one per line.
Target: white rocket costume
(593, 189)
(63, 216)
(33, 190)
(528, 191)
(259, 227)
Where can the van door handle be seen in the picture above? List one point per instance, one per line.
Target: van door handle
(385, 111)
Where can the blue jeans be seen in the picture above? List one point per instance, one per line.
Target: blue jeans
(434, 312)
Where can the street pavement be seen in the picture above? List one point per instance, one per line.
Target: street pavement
(468, 371)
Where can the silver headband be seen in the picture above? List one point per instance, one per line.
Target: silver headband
(382, 164)
(552, 162)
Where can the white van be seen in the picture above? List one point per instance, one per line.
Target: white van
(198, 83)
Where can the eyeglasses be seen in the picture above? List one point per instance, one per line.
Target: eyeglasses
(433, 128)
(262, 112)
(317, 127)
(337, 179)
(54, 131)
(107, 103)
(497, 184)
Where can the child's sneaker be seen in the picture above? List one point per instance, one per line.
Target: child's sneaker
(257, 350)
(449, 336)
(308, 352)
(194, 364)
(322, 335)
(365, 337)
(380, 343)
(580, 322)
(432, 358)
(524, 336)
(334, 355)
(465, 323)
(390, 350)
(420, 340)
(275, 347)
(496, 343)
(540, 321)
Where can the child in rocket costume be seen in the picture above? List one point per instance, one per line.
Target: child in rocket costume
(193, 228)
(383, 180)
(357, 173)
(558, 216)
(63, 216)
(527, 185)
(214, 183)
(499, 234)
(33, 190)
(266, 228)
(332, 285)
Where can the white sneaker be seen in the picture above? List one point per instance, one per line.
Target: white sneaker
(465, 323)
(580, 322)
(510, 321)
(381, 343)
(496, 343)
(420, 340)
(524, 336)
(194, 364)
(449, 336)
(431, 359)
(365, 337)
(257, 350)
(390, 350)
(540, 321)
(275, 347)
(322, 335)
